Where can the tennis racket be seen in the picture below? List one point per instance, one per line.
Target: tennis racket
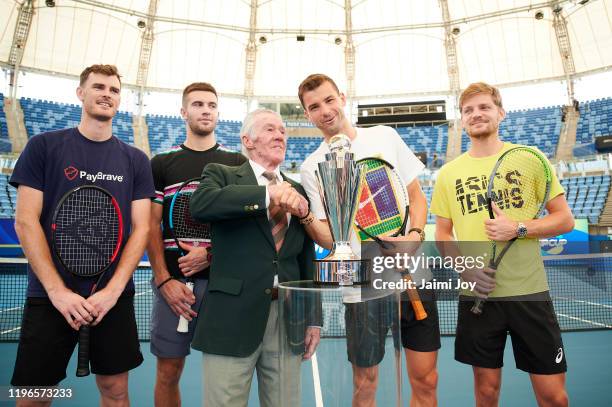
(185, 229)
(383, 211)
(87, 233)
(519, 185)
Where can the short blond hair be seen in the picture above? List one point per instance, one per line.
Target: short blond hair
(480, 87)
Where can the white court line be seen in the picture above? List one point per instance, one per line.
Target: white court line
(10, 309)
(577, 256)
(10, 330)
(585, 320)
(583, 302)
(142, 293)
(316, 381)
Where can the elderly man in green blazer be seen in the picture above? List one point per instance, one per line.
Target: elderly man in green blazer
(257, 241)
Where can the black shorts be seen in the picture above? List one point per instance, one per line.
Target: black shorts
(424, 335)
(533, 327)
(47, 343)
(368, 324)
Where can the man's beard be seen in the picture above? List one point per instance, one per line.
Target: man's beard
(101, 118)
(198, 131)
(334, 129)
(483, 134)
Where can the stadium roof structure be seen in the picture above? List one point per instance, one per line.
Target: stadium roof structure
(266, 47)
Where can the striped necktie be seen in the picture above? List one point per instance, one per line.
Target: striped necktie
(278, 217)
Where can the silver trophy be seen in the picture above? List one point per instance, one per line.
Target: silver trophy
(339, 178)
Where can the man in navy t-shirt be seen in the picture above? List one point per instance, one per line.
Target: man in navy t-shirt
(57, 303)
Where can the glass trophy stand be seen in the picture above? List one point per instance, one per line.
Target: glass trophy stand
(364, 327)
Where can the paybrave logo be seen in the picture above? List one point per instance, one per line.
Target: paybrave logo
(71, 173)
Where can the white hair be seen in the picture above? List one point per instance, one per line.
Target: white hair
(249, 123)
(251, 118)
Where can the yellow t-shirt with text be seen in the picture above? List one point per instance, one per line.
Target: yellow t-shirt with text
(460, 195)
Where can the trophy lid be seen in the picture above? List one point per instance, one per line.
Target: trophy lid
(340, 143)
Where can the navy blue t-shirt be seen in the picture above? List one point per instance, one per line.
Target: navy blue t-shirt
(57, 161)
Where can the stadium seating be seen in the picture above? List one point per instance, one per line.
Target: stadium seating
(228, 134)
(41, 116)
(298, 148)
(5, 142)
(587, 195)
(168, 131)
(429, 139)
(534, 127)
(164, 132)
(595, 120)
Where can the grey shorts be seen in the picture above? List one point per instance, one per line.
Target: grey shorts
(166, 342)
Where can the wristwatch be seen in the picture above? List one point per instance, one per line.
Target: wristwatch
(419, 231)
(521, 230)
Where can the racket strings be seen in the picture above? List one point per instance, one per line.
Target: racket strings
(520, 185)
(184, 227)
(87, 231)
(382, 201)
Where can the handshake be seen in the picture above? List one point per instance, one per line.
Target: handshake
(290, 200)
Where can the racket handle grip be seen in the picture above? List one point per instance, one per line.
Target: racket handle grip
(478, 306)
(480, 302)
(419, 311)
(83, 353)
(183, 325)
(415, 301)
(417, 305)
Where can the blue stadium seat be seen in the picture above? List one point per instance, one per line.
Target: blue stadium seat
(298, 148)
(166, 132)
(534, 127)
(5, 142)
(587, 196)
(429, 139)
(41, 116)
(595, 120)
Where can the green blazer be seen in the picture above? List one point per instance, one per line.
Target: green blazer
(233, 315)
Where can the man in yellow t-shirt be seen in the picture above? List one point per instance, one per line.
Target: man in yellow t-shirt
(519, 302)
